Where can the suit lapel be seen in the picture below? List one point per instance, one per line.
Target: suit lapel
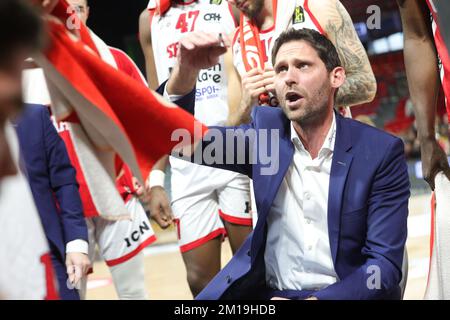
(266, 186)
(340, 167)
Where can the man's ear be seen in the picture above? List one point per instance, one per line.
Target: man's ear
(337, 77)
(88, 10)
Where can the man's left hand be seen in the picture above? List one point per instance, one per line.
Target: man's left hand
(78, 265)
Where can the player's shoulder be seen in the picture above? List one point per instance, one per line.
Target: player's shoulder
(146, 19)
(321, 4)
(145, 14)
(327, 11)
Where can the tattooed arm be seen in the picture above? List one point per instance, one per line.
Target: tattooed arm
(423, 83)
(360, 86)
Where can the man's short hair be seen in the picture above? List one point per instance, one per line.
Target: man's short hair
(20, 27)
(323, 46)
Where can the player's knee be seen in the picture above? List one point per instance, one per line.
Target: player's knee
(137, 292)
(129, 279)
(198, 280)
(130, 288)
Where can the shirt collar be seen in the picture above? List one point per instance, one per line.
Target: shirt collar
(328, 143)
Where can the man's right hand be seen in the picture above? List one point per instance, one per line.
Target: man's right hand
(201, 50)
(197, 50)
(434, 160)
(254, 83)
(160, 209)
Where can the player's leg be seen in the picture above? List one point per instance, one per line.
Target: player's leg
(200, 234)
(202, 264)
(121, 244)
(128, 278)
(234, 203)
(237, 234)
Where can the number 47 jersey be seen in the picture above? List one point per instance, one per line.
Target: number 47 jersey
(166, 31)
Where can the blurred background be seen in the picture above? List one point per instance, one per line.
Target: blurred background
(116, 22)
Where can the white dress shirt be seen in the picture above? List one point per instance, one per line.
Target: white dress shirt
(298, 254)
(78, 245)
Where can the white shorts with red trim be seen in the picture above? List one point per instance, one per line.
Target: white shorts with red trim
(199, 217)
(121, 240)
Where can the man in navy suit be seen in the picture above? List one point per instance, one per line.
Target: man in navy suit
(333, 199)
(55, 191)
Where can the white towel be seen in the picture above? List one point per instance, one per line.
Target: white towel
(438, 287)
(94, 152)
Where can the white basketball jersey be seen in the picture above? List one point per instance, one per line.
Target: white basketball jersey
(265, 36)
(302, 18)
(211, 105)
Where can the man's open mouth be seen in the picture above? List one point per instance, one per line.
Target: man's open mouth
(293, 97)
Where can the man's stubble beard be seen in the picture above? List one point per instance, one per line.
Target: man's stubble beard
(314, 112)
(256, 10)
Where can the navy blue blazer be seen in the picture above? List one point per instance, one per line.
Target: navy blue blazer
(367, 206)
(367, 209)
(52, 178)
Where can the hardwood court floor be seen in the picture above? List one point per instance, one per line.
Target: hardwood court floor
(165, 275)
